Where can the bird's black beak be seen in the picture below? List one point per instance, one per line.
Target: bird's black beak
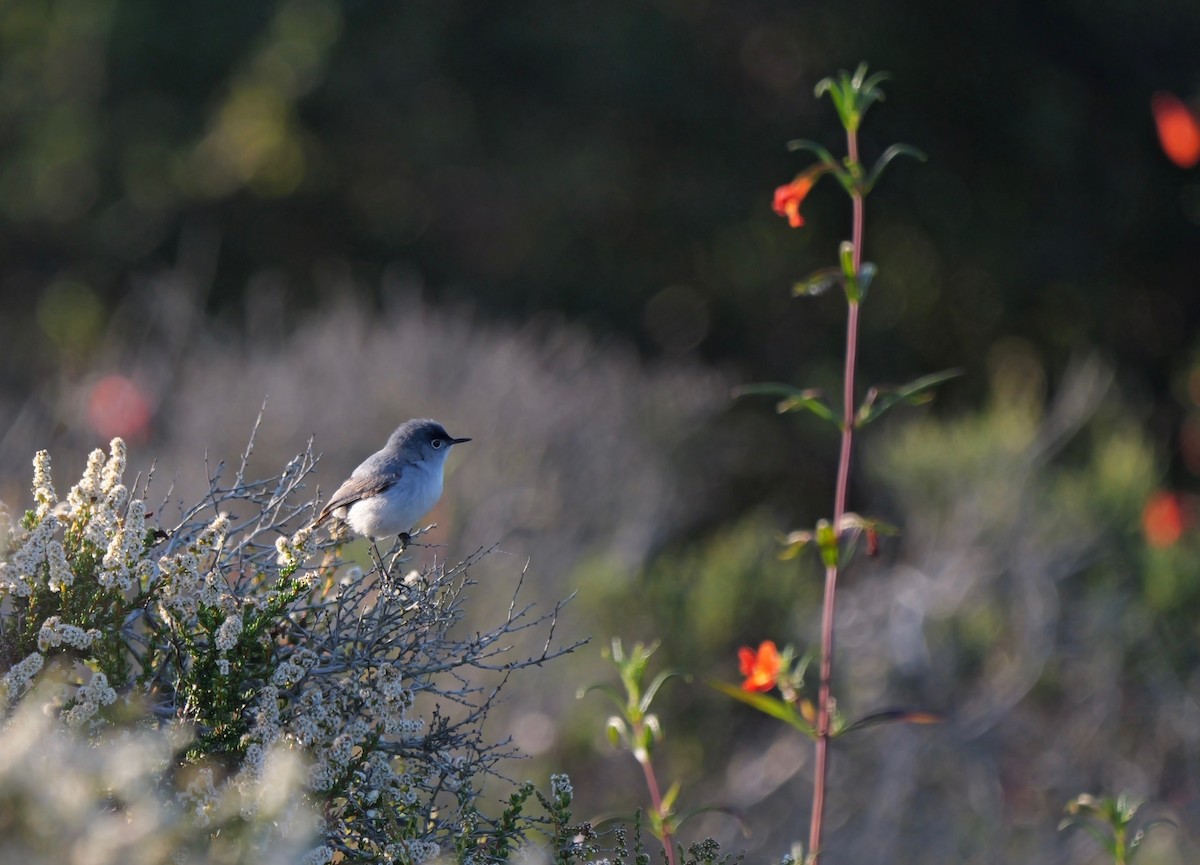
(458, 441)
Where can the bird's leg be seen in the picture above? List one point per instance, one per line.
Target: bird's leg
(403, 538)
(377, 559)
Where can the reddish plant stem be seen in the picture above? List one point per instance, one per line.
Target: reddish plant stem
(820, 762)
(656, 803)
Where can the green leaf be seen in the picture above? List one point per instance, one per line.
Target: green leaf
(603, 689)
(850, 280)
(680, 819)
(816, 149)
(817, 283)
(657, 683)
(1141, 833)
(1103, 840)
(846, 257)
(879, 400)
(887, 716)
(872, 83)
(866, 274)
(616, 731)
(668, 799)
(827, 543)
(793, 543)
(793, 399)
(768, 705)
(888, 155)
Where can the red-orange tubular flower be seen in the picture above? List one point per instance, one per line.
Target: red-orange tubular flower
(1163, 520)
(789, 197)
(760, 668)
(1178, 129)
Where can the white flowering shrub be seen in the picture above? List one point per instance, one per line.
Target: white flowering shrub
(238, 626)
(120, 797)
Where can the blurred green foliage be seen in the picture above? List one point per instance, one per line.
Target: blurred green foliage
(182, 184)
(613, 163)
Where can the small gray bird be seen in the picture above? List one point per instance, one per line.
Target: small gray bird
(397, 485)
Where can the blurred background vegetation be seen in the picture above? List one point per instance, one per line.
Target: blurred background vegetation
(547, 224)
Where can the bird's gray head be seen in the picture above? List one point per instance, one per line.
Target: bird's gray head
(421, 440)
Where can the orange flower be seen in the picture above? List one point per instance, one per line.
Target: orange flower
(788, 198)
(760, 668)
(1163, 520)
(1178, 129)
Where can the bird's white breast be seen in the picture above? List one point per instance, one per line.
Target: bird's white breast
(398, 508)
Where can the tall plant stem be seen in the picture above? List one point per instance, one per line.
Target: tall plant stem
(820, 767)
(668, 840)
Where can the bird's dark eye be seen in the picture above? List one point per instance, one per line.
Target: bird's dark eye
(437, 443)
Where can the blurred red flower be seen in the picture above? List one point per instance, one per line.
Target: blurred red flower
(1163, 520)
(1178, 129)
(760, 668)
(788, 198)
(116, 406)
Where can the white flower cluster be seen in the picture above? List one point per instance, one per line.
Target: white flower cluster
(377, 779)
(94, 507)
(54, 633)
(22, 573)
(184, 589)
(17, 680)
(43, 487)
(294, 667)
(452, 768)
(200, 796)
(560, 787)
(294, 550)
(387, 701)
(411, 851)
(89, 698)
(333, 760)
(97, 513)
(99, 496)
(228, 632)
(61, 576)
(320, 856)
(123, 559)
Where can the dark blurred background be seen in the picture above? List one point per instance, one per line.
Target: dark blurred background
(547, 224)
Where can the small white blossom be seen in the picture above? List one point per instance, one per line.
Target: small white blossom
(560, 786)
(294, 550)
(54, 633)
(90, 486)
(114, 469)
(201, 794)
(22, 573)
(411, 851)
(61, 575)
(214, 533)
(228, 633)
(89, 698)
(319, 856)
(11, 583)
(43, 486)
(294, 668)
(125, 548)
(265, 729)
(181, 584)
(16, 680)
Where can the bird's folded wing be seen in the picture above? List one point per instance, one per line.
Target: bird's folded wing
(356, 489)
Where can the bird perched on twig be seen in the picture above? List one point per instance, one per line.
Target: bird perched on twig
(397, 485)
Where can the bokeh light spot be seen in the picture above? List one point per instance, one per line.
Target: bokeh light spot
(71, 314)
(1162, 520)
(116, 406)
(1178, 129)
